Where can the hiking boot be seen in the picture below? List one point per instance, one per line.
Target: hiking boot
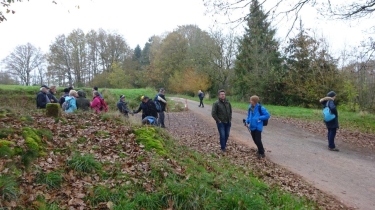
(260, 156)
(333, 149)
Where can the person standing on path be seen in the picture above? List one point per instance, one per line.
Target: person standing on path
(201, 96)
(255, 116)
(332, 125)
(222, 114)
(163, 103)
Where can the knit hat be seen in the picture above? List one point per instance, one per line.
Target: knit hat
(122, 96)
(331, 94)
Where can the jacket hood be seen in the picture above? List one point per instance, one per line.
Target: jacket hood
(68, 97)
(81, 94)
(325, 99)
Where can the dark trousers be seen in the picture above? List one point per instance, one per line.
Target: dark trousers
(257, 138)
(161, 119)
(201, 102)
(331, 137)
(224, 129)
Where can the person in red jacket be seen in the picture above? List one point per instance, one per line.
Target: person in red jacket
(98, 104)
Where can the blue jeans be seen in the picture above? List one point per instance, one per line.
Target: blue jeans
(224, 129)
(331, 137)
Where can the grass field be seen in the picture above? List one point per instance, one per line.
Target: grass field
(363, 122)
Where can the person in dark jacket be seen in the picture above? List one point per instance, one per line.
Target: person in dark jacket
(201, 96)
(332, 125)
(148, 108)
(163, 103)
(222, 114)
(62, 99)
(97, 89)
(42, 98)
(82, 102)
(51, 94)
(254, 122)
(123, 106)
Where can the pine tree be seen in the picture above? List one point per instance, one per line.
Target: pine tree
(258, 65)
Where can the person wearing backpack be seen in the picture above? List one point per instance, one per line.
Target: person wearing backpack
(70, 104)
(148, 108)
(160, 98)
(98, 104)
(62, 99)
(333, 124)
(201, 96)
(256, 116)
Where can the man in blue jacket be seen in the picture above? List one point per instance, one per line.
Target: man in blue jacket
(255, 117)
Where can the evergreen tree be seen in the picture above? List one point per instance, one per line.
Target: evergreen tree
(312, 71)
(137, 53)
(258, 65)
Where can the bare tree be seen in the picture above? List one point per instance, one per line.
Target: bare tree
(23, 60)
(291, 8)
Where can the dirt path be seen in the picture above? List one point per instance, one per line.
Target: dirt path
(348, 175)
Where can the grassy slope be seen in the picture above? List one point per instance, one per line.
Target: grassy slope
(349, 120)
(181, 178)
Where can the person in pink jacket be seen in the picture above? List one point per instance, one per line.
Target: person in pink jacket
(96, 103)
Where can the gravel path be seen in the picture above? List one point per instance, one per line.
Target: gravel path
(348, 175)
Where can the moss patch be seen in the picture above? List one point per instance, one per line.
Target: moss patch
(53, 110)
(6, 143)
(5, 132)
(149, 137)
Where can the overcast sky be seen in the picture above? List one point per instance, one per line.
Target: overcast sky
(39, 22)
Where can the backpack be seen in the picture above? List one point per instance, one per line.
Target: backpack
(66, 105)
(327, 115)
(103, 105)
(265, 122)
(157, 103)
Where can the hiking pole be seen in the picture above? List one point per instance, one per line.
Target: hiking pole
(244, 123)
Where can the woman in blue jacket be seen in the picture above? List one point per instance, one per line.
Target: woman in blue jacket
(255, 116)
(72, 100)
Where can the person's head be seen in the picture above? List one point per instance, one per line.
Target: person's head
(73, 93)
(199, 91)
(66, 90)
(162, 90)
(44, 88)
(52, 89)
(81, 93)
(144, 99)
(70, 88)
(221, 94)
(254, 100)
(95, 93)
(332, 94)
(122, 98)
(95, 88)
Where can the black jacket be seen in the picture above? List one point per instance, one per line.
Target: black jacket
(123, 107)
(62, 99)
(82, 102)
(162, 104)
(148, 109)
(41, 100)
(51, 97)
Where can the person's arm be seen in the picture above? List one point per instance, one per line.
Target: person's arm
(139, 109)
(248, 119)
(214, 112)
(265, 114)
(230, 112)
(332, 107)
(161, 99)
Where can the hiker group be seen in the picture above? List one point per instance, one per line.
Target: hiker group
(258, 115)
(71, 99)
